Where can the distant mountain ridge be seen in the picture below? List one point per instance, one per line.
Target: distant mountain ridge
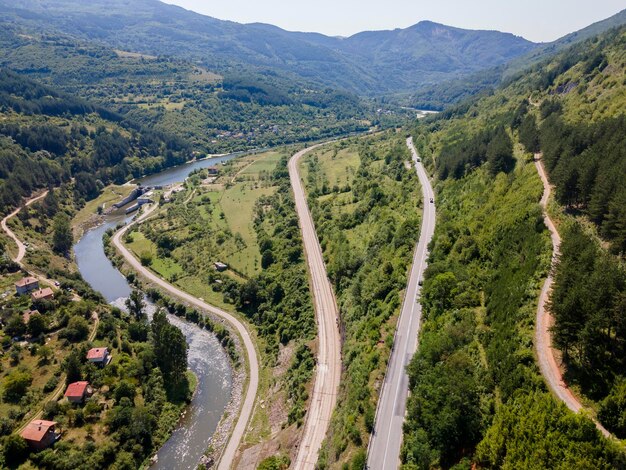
(372, 62)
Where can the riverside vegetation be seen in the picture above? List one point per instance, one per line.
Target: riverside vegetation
(365, 200)
(138, 396)
(476, 392)
(244, 217)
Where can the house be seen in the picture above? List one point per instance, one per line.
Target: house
(40, 434)
(99, 356)
(30, 313)
(42, 294)
(77, 392)
(25, 285)
(213, 171)
(220, 266)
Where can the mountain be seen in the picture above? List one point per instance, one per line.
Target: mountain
(214, 113)
(448, 92)
(372, 62)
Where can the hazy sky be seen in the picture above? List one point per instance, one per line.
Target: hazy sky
(537, 20)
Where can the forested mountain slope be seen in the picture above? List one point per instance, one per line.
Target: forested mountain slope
(48, 137)
(476, 392)
(440, 95)
(370, 62)
(215, 114)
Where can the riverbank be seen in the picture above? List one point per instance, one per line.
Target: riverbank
(237, 434)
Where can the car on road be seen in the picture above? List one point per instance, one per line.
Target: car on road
(432, 201)
(420, 282)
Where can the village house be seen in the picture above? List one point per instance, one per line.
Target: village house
(77, 391)
(99, 356)
(42, 294)
(30, 313)
(40, 434)
(25, 285)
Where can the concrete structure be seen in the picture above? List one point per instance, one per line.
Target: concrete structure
(220, 266)
(77, 392)
(42, 294)
(99, 356)
(40, 434)
(135, 193)
(25, 285)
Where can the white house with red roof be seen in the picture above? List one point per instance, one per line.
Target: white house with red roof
(99, 356)
(77, 391)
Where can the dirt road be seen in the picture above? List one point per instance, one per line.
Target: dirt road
(543, 339)
(386, 440)
(253, 362)
(21, 248)
(328, 370)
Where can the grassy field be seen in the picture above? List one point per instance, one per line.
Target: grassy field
(215, 223)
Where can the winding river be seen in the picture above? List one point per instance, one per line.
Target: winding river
(207, 359)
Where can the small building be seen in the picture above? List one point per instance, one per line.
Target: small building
(99, 356)
(77, 392)
(40, 434)
(42, 294)
(213, 171)
(30, 313)
(25, 285)
(220, 266)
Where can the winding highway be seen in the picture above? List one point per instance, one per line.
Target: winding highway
(238, 432)
(386, 440)
(543, 339)
(328, 370)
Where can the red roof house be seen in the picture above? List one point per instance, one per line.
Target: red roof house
(76, 392)
(98, 355)
(40, 434)
(25, 285)
(42, 294)
(30, 313)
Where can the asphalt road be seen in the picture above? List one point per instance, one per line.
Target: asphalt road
(384, 447)
(238, 432)
(543, 339)
(328, 370)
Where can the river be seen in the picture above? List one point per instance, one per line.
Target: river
(207, 359)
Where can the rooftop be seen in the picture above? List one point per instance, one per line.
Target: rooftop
(76, 389)
(37, 429)
(42, 293)
(97, 353)
(26, 281)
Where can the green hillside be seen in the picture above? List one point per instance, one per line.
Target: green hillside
(215, 114)
(48, 138)
(476, 392)
(367, 63)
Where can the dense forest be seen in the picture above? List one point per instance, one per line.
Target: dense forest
(48, 138)
(476, 392)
